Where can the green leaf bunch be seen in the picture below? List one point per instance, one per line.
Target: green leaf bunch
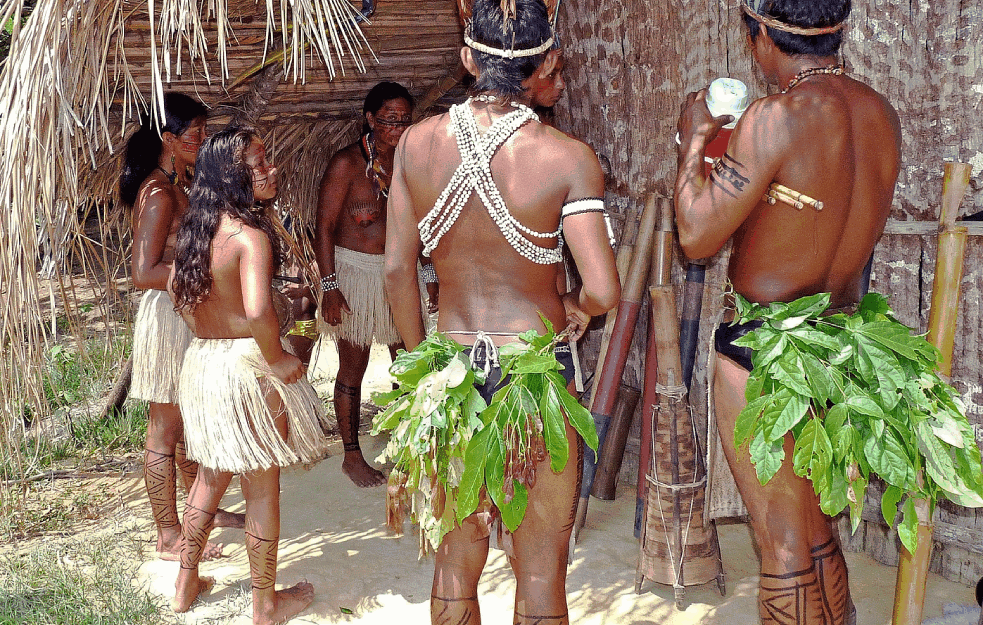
(432, 416)
(861, 396)
(449, 447)
(523, 423)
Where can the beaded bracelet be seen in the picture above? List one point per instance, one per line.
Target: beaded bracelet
(428, 274)
(330, 282)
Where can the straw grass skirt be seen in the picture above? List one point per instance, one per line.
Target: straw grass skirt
(227, 422)
(160, 338)
(361, 278)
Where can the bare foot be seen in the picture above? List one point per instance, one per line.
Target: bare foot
(171, 550)
(359, 471)
(224, 518)
(186, 593)
(286, 604)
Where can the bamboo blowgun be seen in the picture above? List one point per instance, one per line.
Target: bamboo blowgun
(608, 379)
(909, 592)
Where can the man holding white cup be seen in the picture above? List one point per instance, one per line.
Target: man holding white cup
(829, 137)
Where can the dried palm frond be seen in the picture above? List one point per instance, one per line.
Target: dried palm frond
(80, 70)
(67, 66)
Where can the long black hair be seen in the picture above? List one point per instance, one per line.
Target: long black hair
(807, 14)
(143, 148)
(379, 95)
(223, 184)
(530, 28)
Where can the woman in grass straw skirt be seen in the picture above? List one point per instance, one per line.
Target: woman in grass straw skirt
(248, 407)
(155, 179)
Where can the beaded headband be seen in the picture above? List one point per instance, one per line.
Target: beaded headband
(508, 13)
(771, 22)
(507, 54)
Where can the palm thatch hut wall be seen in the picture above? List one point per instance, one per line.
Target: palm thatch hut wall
(630, 64)
(80, 71)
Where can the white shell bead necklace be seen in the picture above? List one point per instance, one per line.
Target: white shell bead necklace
(473, 175)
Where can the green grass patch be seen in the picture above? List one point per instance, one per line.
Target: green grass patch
(76, 582)
(50, 507)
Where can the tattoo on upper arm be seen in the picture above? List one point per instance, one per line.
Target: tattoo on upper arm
(728, 175)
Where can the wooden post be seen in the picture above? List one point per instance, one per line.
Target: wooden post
(909, 594)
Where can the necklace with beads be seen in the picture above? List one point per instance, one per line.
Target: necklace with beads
(172, 178)
(473, 175)
(374, 170)
(834, 70)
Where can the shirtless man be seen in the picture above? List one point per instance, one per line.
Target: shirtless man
(498, 278)
(248, 407)
(349, 242)
(832, 138)
(154, 181)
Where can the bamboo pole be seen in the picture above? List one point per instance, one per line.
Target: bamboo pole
(660, 276)
(609, 378)
(909, 594)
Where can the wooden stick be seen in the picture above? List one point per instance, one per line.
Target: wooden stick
(778, 196)
(796, 196)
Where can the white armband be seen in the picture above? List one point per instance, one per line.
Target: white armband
(589, 205)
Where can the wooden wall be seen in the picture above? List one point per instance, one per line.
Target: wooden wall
(629, 66)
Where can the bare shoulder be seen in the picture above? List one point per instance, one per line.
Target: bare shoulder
(568, 156)
(157, 195)
(236, 236)
(344, 161)
(421, 136)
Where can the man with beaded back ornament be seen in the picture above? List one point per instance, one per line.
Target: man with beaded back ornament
(486, 190)
(350, 238)
(826, 136)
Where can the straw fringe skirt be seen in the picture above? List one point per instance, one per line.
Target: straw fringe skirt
(361, 278)
(160, 338)
(227, 422)
(723, 499)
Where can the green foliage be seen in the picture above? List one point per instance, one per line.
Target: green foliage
(432, 415)
(861, 396)
(77, 582)
(74, 383)
(448, 446)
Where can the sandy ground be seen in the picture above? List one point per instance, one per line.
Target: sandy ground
(333, 535)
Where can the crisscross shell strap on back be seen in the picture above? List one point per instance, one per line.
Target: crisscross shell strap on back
(473, 175)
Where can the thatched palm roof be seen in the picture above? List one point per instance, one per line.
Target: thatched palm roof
(80, 71)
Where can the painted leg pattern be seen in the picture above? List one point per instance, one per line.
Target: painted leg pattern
(453, 611)
(160, 478)
(832, 575)
(540, 619)
(349, 420)
(187, 467)
(791, 599)
(197, 525)
(262, 560)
